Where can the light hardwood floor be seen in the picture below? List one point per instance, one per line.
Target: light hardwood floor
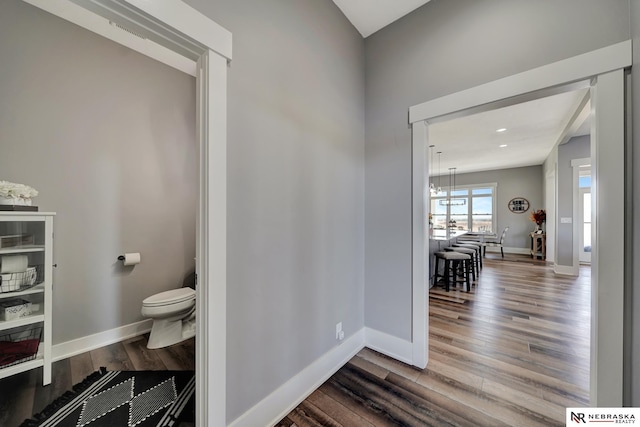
(22, 395)
(512, 352)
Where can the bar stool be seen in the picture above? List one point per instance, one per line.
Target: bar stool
(474, 242)
(472, 245)
(473, 265)
(452, 261)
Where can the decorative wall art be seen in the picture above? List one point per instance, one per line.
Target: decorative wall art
(518, 205)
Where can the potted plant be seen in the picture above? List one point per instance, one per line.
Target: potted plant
(539, 217)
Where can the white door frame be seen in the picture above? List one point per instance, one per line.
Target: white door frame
(603, 68)
(187, 40)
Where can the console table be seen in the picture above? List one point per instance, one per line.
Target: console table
(538, 245)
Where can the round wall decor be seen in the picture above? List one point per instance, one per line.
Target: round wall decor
(519, 205)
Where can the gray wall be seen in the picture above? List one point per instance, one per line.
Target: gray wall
(514, 182)
(633, 294)
(107, 137)
(576, 148)
(296, 188)
(444, 47)
(296, 125)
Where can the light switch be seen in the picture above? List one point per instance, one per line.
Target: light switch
(566, 220)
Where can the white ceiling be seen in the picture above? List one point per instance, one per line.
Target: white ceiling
(471, 143)
(368, 16)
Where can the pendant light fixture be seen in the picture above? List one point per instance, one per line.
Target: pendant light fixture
(450, 200)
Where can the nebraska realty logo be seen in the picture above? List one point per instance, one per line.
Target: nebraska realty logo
(578, 416)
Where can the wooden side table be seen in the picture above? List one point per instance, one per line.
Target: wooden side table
(538, 245)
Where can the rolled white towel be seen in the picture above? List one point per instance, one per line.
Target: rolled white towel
(14, 264)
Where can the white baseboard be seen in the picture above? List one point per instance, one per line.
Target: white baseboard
(567, 270)
(510, 250)
(91, 342)
(389, 345)
(280, 402)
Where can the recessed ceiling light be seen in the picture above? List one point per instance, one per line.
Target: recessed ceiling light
(501, 130)
(503, 145)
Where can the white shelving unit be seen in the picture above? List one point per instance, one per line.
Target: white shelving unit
(40, 255)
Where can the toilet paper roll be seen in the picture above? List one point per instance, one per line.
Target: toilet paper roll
(14, 264)
(132, 258)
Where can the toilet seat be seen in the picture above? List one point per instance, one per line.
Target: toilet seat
(174, 296)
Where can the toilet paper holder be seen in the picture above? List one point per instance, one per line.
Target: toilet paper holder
(130, 258)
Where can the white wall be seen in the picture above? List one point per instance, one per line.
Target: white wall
(296, 188)
(107, 137)
(441, 48)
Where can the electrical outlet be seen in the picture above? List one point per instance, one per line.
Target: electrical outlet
(338, 331)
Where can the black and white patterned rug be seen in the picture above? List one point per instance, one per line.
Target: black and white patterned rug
(124, 399)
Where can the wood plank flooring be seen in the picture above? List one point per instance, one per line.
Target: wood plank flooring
(512, 352)
(22, 395)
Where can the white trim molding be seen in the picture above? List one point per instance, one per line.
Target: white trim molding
(389, 345)
(99, 25)
(608, 256)
(513, 88)
(183, 20)
(211, 240)
(421, 205)
(270, 410)
(189, 34)
(566, 270)
(91, 342)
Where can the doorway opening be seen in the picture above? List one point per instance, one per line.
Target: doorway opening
(189, 41)
(603, 71)
(511, 159)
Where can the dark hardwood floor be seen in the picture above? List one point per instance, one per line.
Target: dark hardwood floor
(513, 352)
(22, 395)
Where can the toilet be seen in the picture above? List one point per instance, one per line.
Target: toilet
(174, 316)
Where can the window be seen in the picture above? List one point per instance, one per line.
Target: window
(471, 208)
(584, 179)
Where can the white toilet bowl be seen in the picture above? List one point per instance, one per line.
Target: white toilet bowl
(173, 314)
